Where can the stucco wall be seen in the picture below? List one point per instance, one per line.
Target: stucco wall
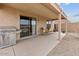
(9, 17)
(41, 21)
(73, 27)
(63, 27)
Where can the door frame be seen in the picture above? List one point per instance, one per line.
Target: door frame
(30, 24)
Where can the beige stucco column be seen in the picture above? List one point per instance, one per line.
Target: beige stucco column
(66, 26)
(59, 27)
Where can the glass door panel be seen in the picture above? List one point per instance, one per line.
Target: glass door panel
(28, 26)
(33, 27)
(24, 25)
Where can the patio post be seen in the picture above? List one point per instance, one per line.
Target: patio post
(59, 27)
(66, 26)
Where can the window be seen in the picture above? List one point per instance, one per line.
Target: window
(28, 26)
(48, 24)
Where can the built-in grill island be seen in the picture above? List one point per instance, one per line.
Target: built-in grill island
(8, 36)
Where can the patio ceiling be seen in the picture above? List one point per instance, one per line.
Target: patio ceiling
(35, 8)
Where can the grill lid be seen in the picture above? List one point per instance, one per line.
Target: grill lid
(7, 28)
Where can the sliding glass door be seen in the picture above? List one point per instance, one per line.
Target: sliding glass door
(28, 26)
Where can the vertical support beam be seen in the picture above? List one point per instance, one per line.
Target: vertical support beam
(52, 25)
(66, 26)
(59, 26)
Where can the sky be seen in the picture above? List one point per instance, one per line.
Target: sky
(71, 10)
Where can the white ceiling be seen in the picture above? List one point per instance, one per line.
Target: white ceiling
(35, 8)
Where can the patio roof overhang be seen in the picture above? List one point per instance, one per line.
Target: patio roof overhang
(48, 10)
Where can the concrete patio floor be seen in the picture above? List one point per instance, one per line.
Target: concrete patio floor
(36, 46)
(69, 46)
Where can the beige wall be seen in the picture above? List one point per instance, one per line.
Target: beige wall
(40, 23)
(63, 27)
(11, 17)
(73, 27)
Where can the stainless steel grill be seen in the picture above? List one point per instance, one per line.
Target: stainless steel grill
(7, 36)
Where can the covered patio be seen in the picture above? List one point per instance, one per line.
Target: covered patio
(36, 46)
(47, 11)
